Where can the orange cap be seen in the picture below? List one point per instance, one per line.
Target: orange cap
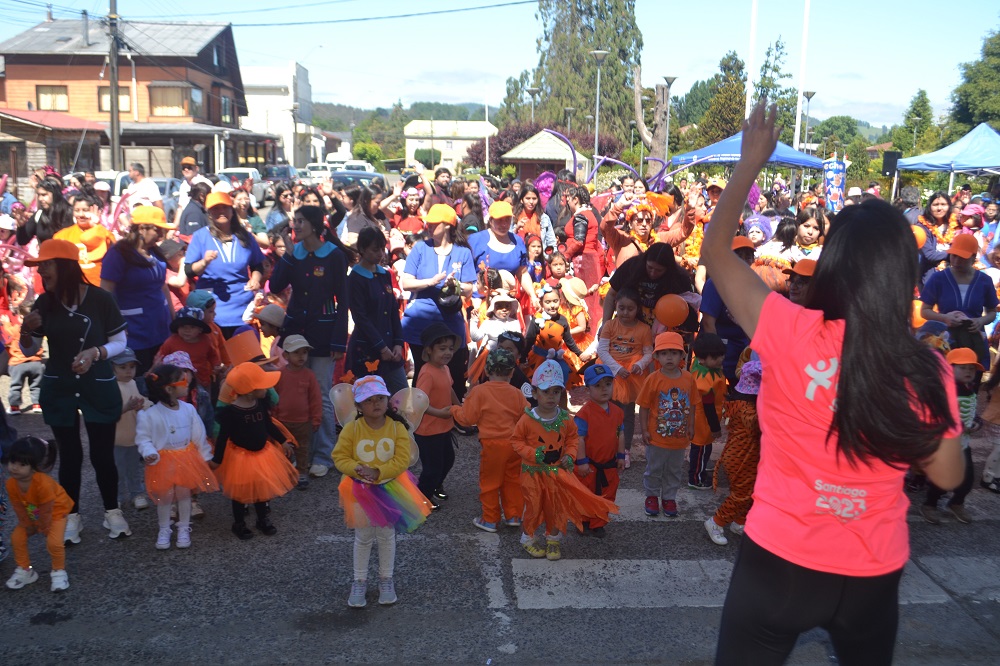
(669, 340)
(441, 214)
(150, 215)
(964, 356)
(803, 267)
(964, 246)
(54, 248)
(248, 377)
(218, 199)
(742, 242)
(500, 209)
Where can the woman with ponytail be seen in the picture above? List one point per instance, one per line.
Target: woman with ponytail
(848, 400)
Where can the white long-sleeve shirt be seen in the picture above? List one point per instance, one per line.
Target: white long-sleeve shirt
(161, 427)
(491, 328)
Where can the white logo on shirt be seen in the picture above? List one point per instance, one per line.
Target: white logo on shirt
(820, 376)
(367, 450)
(844, 502)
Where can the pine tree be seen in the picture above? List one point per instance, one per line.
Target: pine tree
(516, 107)
(772, 85)
(920, 116)
(567, 74)
(724, 117)
(691, 107)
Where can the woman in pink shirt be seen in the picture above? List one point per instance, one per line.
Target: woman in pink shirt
(848, 400)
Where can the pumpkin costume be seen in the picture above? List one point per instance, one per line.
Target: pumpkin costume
(549, 338)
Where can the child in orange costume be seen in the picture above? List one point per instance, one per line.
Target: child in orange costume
(602, 440)
(495, 407)
(709, 352)
(41, 506)
(548, 336)
(546, 439)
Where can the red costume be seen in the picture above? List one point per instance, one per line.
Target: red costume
(601, 431)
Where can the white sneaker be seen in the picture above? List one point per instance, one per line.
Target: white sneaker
(140, 502)
(736, 528)
(114, 521)
(163, 538)
(628, 458)
(386, 592)
(715, 532)
(183, 536)
(358, 590)
(196, 510)
(73, 528)
(60, 580)
(318, 471)
(21, 578)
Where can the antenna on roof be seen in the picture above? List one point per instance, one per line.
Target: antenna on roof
(48, 13)
(86, 27)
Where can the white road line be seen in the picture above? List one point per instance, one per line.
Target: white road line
(540, 584)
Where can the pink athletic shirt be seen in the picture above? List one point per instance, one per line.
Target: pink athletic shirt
(810, 506)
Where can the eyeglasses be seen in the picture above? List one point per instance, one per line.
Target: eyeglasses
(181, 384)
(286, 195)
(799, 280)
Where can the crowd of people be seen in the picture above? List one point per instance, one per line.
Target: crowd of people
(211, 352)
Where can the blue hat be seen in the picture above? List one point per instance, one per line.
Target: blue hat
(190, 317)
(596, 373)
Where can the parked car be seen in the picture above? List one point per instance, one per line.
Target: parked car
(319, 171)
(348, 178)
(260, 186)
(306, 177)
(170, 191)
(336, 163)
(281, 173)
(358, 165)
(118, 180)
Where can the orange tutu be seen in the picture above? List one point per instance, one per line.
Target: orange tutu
(178, 467)
(256, 476)
(559, 498)
(477, 371)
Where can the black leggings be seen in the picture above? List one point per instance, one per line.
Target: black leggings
(934, 494)
(240, 510)
(771, 601)
(437, 455)
(101, 441)
(457, 367)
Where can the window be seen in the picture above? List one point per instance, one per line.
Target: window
(447, 144)
(227, 110)
(104, 99)
(52, 98)
(174, 101)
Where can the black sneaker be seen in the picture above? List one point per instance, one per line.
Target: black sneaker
(440, 494)
(242, 531)
(435, 502)
(266, 527)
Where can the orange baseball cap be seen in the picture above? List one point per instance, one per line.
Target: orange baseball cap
(964, 246)
(500, 209)
(742, 242)
(803, 267)
(218, 199)
(150, 215)
(441, 214)
(248, 377)
(54, 248)
(964, 356)
(669, 340)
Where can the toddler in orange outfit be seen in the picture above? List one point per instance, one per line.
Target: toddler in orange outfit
(41, 506)
(495, 406)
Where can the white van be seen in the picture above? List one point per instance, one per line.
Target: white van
(319, 170)
(358, 165)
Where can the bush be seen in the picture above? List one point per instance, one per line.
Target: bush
(429, 157)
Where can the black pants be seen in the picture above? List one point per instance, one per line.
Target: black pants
(101, 438)
(437, 455)
(457, 367)
(771, 601)
(240, 511)
(934, 494)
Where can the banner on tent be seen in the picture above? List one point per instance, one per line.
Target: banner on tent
(834, 178)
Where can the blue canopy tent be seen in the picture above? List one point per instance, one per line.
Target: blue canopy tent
(977, 153)
(727, 151)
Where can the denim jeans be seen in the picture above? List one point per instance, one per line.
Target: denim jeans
(325, 437)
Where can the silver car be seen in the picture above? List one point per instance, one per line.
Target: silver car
(260, 188)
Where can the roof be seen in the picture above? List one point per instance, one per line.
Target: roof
(543, 147)
(445, 129)
(65, 37)
(192, 129)
(880, 146)
(52, 120)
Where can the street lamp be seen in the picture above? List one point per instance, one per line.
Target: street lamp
(599, 55)
(666, 147)
(533, 91)
(808, 94)
(569, 118)
(915, 119)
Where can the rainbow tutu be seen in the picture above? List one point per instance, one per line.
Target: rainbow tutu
(397, 503)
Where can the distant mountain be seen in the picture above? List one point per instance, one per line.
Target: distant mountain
(340, 117)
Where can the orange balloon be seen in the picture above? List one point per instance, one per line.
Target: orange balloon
(918, 321)
(671, 310)
(919, 234)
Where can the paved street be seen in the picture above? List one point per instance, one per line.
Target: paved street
(651, 592)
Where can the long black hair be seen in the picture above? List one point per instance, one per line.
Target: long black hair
(316, 217)
(60, 213)
(927, 209)
(891, 400)
(69, 277)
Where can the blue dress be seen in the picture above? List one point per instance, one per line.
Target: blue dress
(483, 254)
(227, 275)
(139, 292)
(422, 263)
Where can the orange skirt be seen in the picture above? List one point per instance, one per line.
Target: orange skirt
(256, 476)
(178, 467)
(559, 498)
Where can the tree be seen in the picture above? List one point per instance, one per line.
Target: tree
(842, 128)
(691, 108)
(920, 117)
(429, 157)
(505, 139)
(369, 152)
(515, 109)
(858, 156)
(385, 128)
(771, 85)
(567, 74)
(977, 98)
(437, 111)
(724, 117)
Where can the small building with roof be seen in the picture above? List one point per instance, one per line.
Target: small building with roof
(545, 152)
(452, 138)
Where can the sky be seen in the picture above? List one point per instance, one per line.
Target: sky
(865, 59)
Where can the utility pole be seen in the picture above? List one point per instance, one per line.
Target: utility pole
(116, 147)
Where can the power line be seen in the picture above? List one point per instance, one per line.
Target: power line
(261, 10)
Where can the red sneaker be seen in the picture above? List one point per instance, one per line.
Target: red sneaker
(652, 506)
(669, 508)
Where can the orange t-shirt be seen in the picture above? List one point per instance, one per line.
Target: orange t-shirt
(626, 343)
(671, 402)
(494, 407)
(204, 356)
(44, 502)
(812, 507)
(436, 383)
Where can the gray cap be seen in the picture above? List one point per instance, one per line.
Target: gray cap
(127, 356)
